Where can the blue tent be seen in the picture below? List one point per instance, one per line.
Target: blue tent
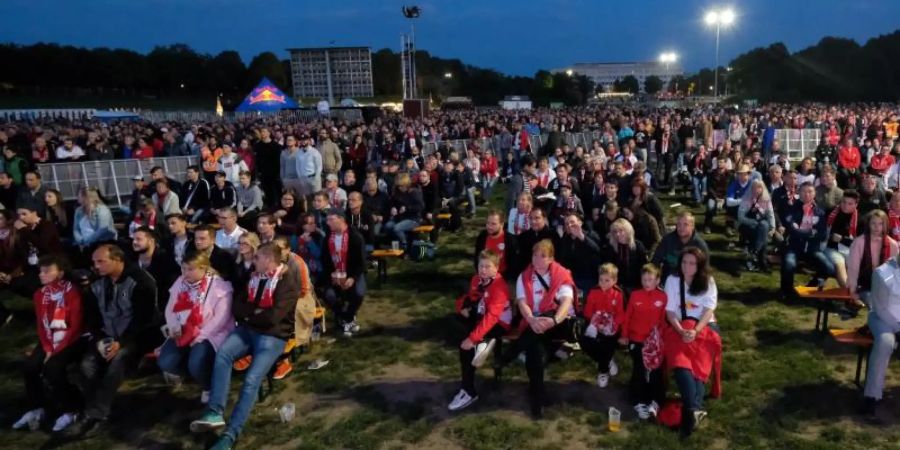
(266, 97)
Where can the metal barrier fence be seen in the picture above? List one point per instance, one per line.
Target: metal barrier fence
(11, 115)
(288, 116)
(798, 143)
(112, 178)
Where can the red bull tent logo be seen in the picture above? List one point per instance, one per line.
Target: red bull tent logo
(266, 97)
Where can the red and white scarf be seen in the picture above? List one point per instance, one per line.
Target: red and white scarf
(271, 281)
(188, 308)
(894, 223)
(853, 220)
(521, 223)
(54, 319)
(339, 257)
(652, 353)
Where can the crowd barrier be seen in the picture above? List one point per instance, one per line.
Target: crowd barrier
(113, 178)
(11, 115)
(287, 116)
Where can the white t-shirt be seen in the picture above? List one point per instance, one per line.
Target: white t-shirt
(537, 291)
(229, 241)
(694, 304)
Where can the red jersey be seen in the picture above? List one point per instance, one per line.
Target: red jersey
(611, 301)
(491, 302)
(497, 245)
(646, 309)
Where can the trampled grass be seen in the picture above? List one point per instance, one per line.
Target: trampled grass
(785, 386)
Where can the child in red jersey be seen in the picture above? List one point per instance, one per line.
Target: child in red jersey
(646, 314)
(604, 310)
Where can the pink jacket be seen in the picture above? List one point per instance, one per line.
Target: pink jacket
(216, 310)
(856, 254)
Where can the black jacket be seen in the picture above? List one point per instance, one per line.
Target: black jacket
(277, 321)
(356, 257)
(199, 199)
(580, 256)
(223, 198)
(526, 241)
(164, 271)
(124, 310)
(364, 224)
(219, 259)
(629, 262)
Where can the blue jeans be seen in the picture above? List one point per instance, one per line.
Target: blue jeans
(194, 360)
(470, 195)
(241, 342)
(823, 266)
(699, 187)
(756, 235)
(399, 229)
(487, 186)
(345, 304)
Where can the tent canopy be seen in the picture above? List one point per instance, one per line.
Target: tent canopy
(266, 97)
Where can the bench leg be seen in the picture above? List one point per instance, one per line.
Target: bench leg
(860, 355)
(818, 317)
(382, 270)
(825, 319)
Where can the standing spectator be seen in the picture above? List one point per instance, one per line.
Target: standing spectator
(246, 154)
(309, 166)
(331, 154)
(717, 189)
(268, 154)
(291, 177)
(143, 150)
(68, 151)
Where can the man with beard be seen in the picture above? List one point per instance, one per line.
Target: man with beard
(429, 196)
(155, 261)
(205, 242)
(495, 239)
(540, 230)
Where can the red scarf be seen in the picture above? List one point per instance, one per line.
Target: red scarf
(339, 257)
(162, 200)
(791, 194)
(652, 353)
(142, 219)
(894, 224)
(55, 322)
(188, 308)
(526, 224)
(853, 219)
(271, 281)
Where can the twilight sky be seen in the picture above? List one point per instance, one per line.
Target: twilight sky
(513, 36)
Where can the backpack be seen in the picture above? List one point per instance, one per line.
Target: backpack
(422, 250)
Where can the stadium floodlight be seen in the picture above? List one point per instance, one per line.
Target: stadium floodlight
(448, 75)
(668, 57)
(570, 72)
(718, 18)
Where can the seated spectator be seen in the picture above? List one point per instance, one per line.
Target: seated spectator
(871, 196)
(320, 208)
(205, 242)
(666, 255)
(893, 213)
(849, 161)
(692, 343)
(579, 250)
(566, 203)
(716, 191)
(545, 295)
(867, 252)
(540, 230)
(58, 308)
(93, 221)
(486, 312)
(603, 225)
(604, 312)
(147, 216)
(57, 213)
(287, 214)
(222, 194)
(8, 191)
(643, 325)
(452, 193)
(756, 220)
(249, 200)
(430, 196)
(495, 239)
(123, 322)
(842, 230)
(68, 151)
(243, 264)
(405, 212)
(828, 194)
(178, 240)
(377, 202)
(157, 174)
(344, 272)
(884, 322)
(733, 196)
(806, 171)
(361, 219)
(645, 228)
(265, 318)
(643, 198)
(622, 249)
(311, 246)
(520, 216)
(699, 166)
(194, 196)
(806, 228)
(156, 261)
(13, 262)
(32, 193)
(198, 319)
(165, 199)
(337, 197)
(229, 232)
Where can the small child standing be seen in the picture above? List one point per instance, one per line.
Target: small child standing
(605, 310)
(644, 319)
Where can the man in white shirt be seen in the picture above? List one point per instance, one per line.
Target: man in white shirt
(309, 164)
(228, 235)
(69, 151)
(884, 321)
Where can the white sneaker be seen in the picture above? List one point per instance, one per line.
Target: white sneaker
(28, 419)
(699, 415)
(642, 411)
(348, 330)
(204, 397)
(354, 327)
(172, 379)
(462, 400)
(603, 380)
(482, 351)
(64, 421)
(613, 368)
(653, 408)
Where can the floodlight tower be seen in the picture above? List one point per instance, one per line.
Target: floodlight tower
(408, 53)
(718, 19)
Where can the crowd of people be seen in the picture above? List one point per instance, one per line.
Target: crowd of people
(222, 268)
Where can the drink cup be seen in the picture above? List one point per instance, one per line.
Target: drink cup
(395, 245)
(615, 420)
(286, 412)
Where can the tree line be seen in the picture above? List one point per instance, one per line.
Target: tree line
(835, 69)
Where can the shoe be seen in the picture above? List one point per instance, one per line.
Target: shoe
(603, 380)
(751, 266)
(699, 415)
(204, 397)
(28, 419)
(653, 408)
(172, 379)
(209, 421)
(282, 370)
(613, 368)
(63, 422)
(688, 423)
(84, 428)
(461, 401)
(243, 363)
(642, 412)
(482, 351)
(350, 328)
(225, 442)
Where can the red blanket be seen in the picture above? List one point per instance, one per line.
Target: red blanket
(701, 356)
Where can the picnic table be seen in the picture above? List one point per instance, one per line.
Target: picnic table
(382, 256)
(863, 343)
(825, 300)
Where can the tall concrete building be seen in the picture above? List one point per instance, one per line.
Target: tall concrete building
(332, 73)
(605, 74)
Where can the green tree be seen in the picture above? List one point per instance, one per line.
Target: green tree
(266, 64)
(630, 84)
(653, 84)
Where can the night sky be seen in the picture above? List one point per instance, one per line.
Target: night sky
(513, 36)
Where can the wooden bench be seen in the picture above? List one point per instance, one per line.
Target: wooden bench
(862, 342)
(444, 216)
(423, 229)
(382, 257)
(824, 299)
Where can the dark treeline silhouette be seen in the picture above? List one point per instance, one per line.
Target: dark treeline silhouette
(835, 69)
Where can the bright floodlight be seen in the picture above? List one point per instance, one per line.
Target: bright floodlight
(448, 75)
(726, 17)
(569, 72)
(668, 57)
(711, 18)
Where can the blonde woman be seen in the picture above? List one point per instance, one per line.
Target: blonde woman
(520, 216)
(868, 251)
(93, 220)
(756, 219)
(243, 264)
(198, 319)
(627, 253)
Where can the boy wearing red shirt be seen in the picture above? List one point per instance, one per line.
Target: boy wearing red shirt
(57, 305)
(646, 311)
(604, 310)
(485, 311)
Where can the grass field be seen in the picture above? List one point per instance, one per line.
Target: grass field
(785, 386)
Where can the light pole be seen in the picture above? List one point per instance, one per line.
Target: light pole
(668, 58)
(718, 18)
